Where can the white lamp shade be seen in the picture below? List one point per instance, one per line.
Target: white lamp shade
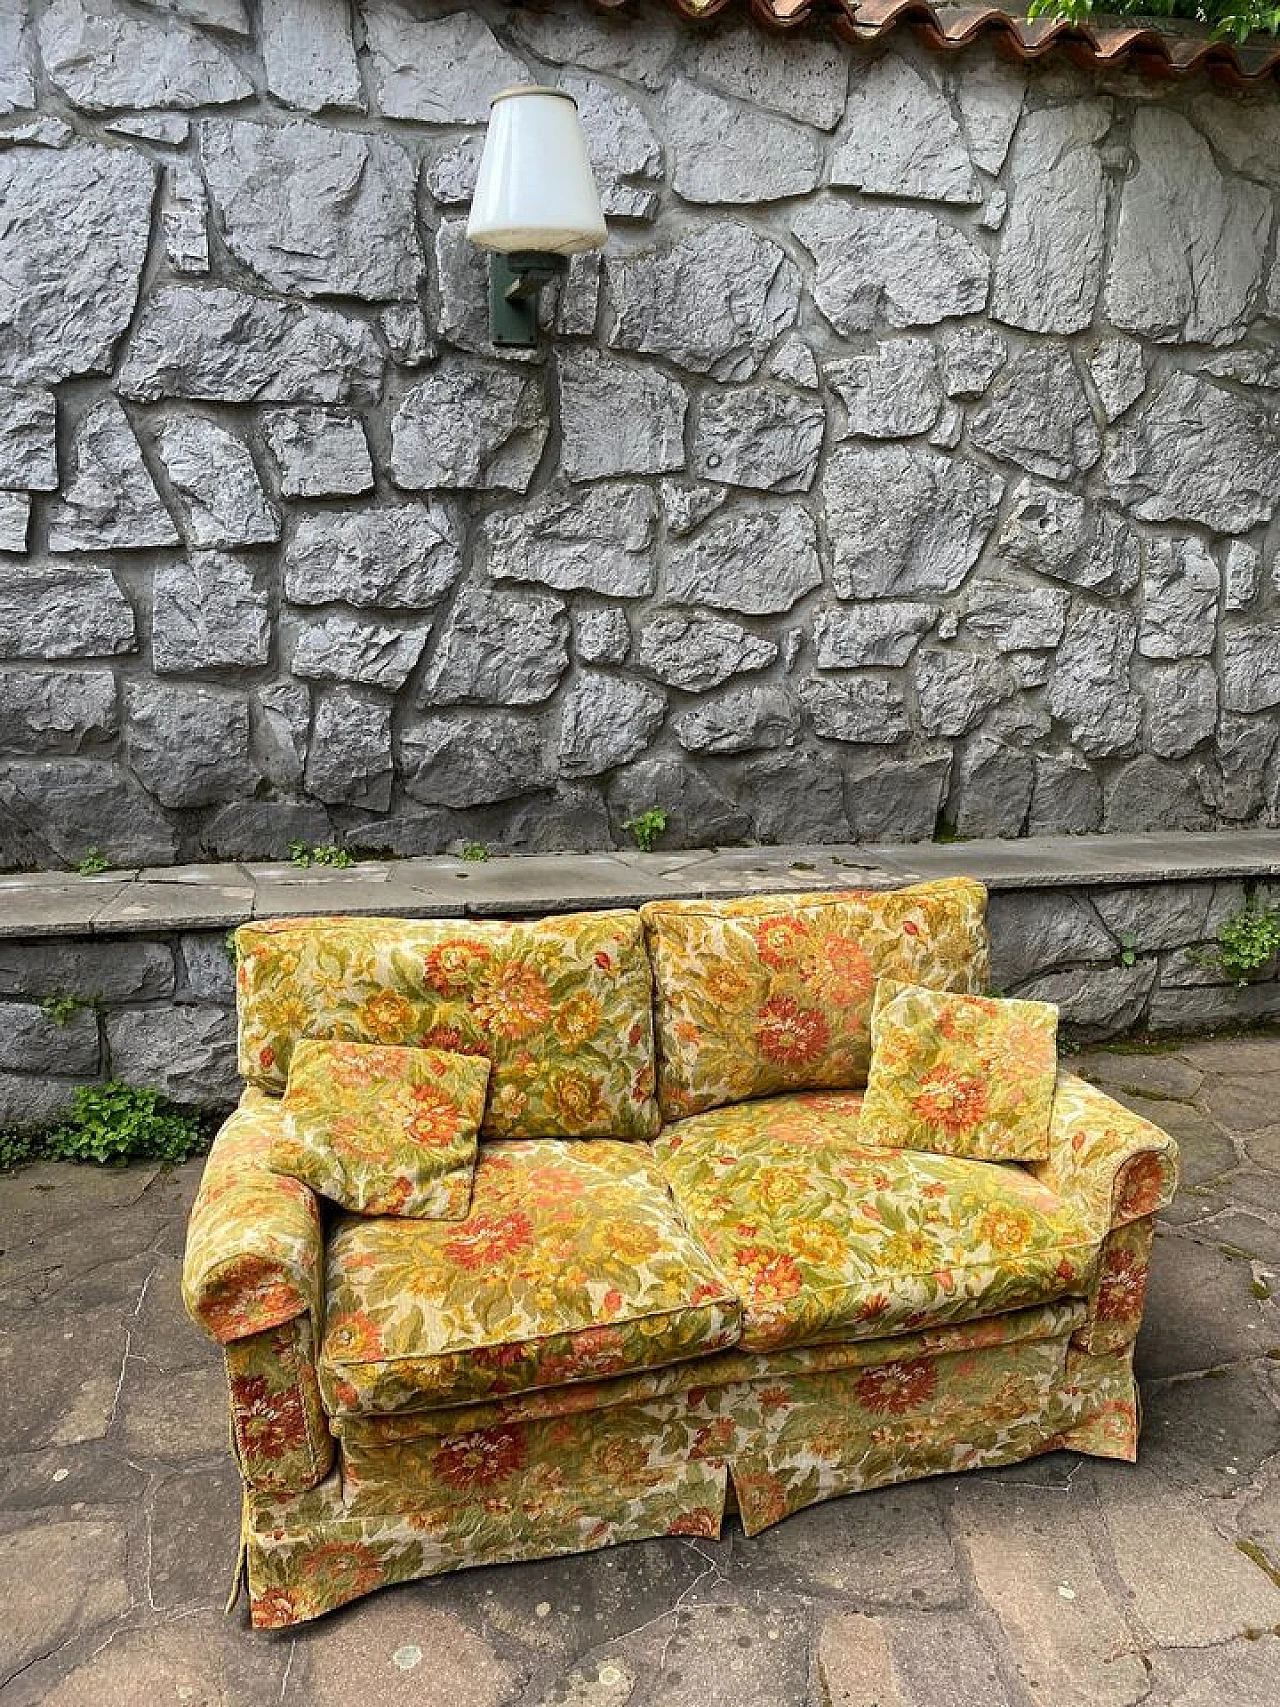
(535, 190)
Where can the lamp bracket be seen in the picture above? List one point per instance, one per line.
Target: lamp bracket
(515, 282)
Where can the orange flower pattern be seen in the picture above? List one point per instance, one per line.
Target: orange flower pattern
(774, 993)
(560, 1007)
(960, 1075)
(573, 1264)
(278, 1426)
(1113, 1166)
(381, 1129)
(825, 1237)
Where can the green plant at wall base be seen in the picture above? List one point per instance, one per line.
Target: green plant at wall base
(1128, 951)
(61, 1008)
(647, 828)
(474, 851)
(229, 948)
(1248, 941)
(125, 1123)
(93, 862)
(326, 854)
(1238, 18)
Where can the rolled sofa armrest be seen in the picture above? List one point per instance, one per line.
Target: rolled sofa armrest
(1112, 1166)
(254, 1256)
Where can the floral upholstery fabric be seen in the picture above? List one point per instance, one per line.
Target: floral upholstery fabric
(774, 993)
(253, 1256)
(1110, 1164)
(824, 1238)
(278, 1426)
(572, 1265)
(960, 1075)
(383, 1130)
(560, 1007)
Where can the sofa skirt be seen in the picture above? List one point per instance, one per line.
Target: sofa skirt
(393, 1511)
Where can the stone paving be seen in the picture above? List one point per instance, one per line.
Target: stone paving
(1060, 1582)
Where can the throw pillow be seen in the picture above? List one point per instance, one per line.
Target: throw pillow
(381, 1129)
(960, 1075)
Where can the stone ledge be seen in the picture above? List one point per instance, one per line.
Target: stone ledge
(210, 897)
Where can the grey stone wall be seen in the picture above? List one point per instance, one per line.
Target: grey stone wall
(159, 1009)
(910, 455)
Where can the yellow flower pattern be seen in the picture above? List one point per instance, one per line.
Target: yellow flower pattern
(381, 1129)
(960, 1075)
(774, 993)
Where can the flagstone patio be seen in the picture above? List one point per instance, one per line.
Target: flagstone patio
(1059, 1582)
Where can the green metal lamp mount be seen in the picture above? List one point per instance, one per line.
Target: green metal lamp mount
(515, 283)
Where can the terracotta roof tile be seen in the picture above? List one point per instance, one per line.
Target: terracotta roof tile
(1172, 52)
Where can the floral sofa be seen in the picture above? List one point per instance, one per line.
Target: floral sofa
(683, 1286)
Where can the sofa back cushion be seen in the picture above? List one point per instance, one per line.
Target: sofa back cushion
(560, 1007)
(774, 993)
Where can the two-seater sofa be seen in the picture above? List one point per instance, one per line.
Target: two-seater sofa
(683, 1285)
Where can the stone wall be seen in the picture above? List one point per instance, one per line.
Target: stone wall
(910, 456)
(158, 1009)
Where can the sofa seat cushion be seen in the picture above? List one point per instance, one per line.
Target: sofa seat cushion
(827, 1239)
(573, 1264)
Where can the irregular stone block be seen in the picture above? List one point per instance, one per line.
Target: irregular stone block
(440, 70)
(794, 362)
(1090, 689)
(900, 138)
(403, 557)
(854, 637)
(902, 266)
(1182, 708)
(315, 211)
(1186, 264)
(50, 710)
(1015, 617)
(1244, 749)
(606, 720)
(109, 499)
(971, 358)
(693, 652)
(52, 811)
(638, 49)
(621, 147)
(468, 426)
(699, 814)
(759, 563)
(1250, 667)
(54, 610)
(74, 228)
(186, 1053)
(189, 746)
(896, 800)
(1055, 533)
(349, 762)
(404, 326)
(759, 437)
(208, 612)
(165, 128)
(226, 346)
(726, 152)
(741, 720)
(282, 714)
(992, 790)
(213, 473)
(602, 635)
(955, 690)
(712, 302)
(1199, 453)
(28, 451)
(264, 829)
(117, 971)
(1246, 134)
(1067, 799)
(33, 1042)
(1180, 584)
(1049, 269)
(451, 176)
(597, 540)
(308, 54)
(17, 86)
(893, 393)
(186, 220)
(15, 521)
(870, 710)
(209, 971)
(321, 452)
(618, 417)
(473, 759)
(341, 649)
(229, 15)
(1038, 416)
(685, 507)
(905, 521)
(462, 278)
(989, 93)
(1242, 575)
(33, 1100)
(1118, 370)
(804, 76)
(102, 56)
(1034, 930)
(1149, 794)
(498, 648)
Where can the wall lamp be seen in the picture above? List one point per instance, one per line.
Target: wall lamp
(535, 204)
